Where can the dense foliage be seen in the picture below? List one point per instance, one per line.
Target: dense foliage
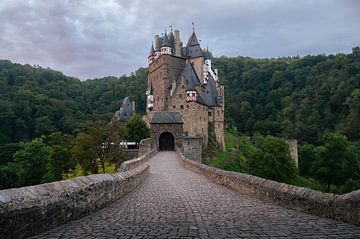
(302, 98)
(333, 166)
(43, 123)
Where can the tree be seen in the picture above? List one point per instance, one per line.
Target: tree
(59, 156)
(336, 160)
(308, 156)
(100, 144)
(30, 162)
(137, 129)
(272, 160)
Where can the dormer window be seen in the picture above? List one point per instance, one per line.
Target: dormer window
(191, 95)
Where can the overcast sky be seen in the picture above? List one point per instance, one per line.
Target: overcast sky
(96, 38)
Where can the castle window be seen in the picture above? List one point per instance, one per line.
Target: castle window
(182, 107)
(218, 113)
(188, 143)
(187, 106)
(202, 129)
(174, 106)
(183, 86)
(209, 113)
(180, 96)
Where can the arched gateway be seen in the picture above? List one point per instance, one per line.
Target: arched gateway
(167, 130)
(166, 142)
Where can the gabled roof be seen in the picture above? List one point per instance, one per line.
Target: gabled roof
(166, 117)
(211, 97)
(125, 111)
(191, 77)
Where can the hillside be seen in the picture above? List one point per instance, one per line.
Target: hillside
(291, 97)
(294, 97)
(36, 101)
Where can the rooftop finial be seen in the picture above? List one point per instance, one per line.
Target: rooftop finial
(171, 28)
(193, 24)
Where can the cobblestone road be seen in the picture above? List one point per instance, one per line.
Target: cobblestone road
(176, 203)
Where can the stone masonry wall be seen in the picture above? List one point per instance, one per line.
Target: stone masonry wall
(30, 210)
(194, 115)
(193, 148)
(344, 207)
(136, 162)
(162, 76)
(175, 129)
(145, 146)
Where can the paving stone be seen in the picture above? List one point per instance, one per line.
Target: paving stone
(176, 203)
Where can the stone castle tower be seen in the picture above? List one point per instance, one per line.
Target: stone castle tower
(183, 80)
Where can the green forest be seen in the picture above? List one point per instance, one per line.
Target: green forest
(46, 118)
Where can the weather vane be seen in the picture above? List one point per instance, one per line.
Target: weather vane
(193, 24)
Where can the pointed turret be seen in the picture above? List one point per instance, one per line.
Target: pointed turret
(193, 48)
(151, 54)
(165, 47)
(152, 51)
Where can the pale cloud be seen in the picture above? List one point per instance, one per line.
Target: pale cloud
(95, 38)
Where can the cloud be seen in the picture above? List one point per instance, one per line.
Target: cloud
(95, 38)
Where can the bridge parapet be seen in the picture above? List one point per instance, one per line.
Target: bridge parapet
(136, 162)
(30, 210)
(344, 207)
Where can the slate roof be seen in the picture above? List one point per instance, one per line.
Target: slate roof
(166, 117)
(211, 97)
(152, 52)
(165, 40)
(125, 111)
(193, 48)
(191, 77)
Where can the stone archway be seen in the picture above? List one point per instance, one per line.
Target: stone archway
(166, 142)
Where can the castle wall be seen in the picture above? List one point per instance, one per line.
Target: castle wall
(194, 115)
(193, 148)
(162, 72)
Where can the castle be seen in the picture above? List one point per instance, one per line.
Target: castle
(183, 90)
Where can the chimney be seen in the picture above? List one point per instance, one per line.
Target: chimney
(177, 43)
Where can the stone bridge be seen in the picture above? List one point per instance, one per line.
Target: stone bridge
(174, 202)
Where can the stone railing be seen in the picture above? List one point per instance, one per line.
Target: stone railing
(134, 163)
(30, 210)
(344, 207)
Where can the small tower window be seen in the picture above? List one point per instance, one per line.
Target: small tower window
(182, 107)
(174, 106)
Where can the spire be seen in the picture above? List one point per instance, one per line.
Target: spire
(193, 41)
(165, 40)
(152, 51)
